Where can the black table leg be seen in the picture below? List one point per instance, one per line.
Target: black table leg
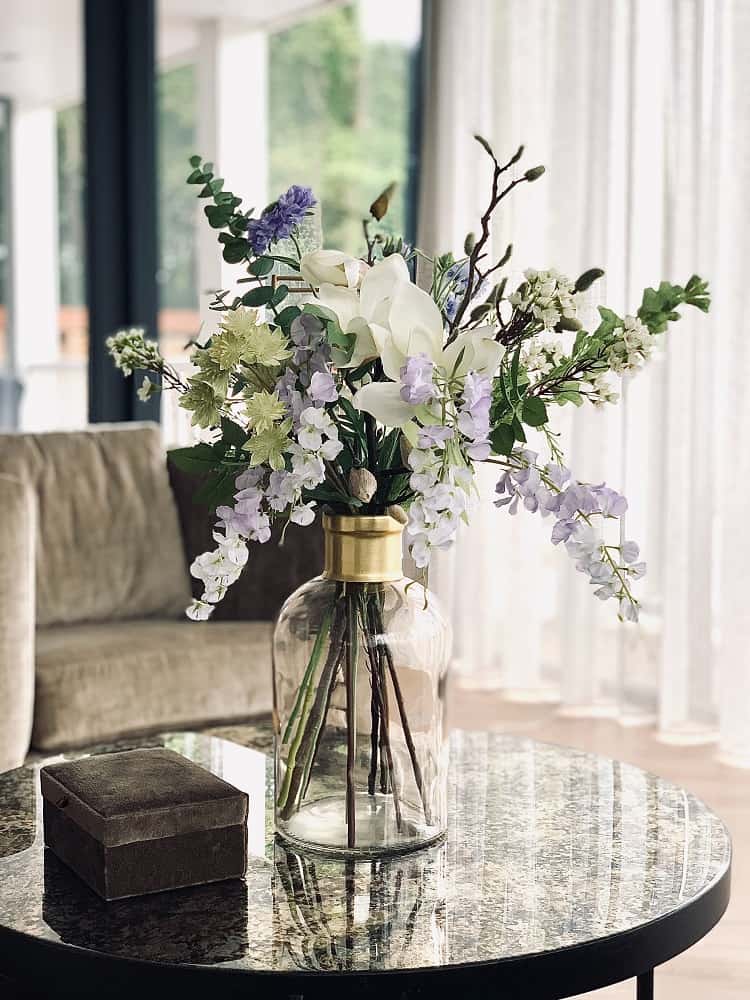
(645, 989)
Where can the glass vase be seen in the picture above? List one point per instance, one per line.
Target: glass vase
(360, 655)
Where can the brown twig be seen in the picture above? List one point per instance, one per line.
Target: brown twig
(496, 196)
(404, 721)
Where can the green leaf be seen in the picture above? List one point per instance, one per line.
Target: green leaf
(196, 177)
(518, 430)
(235, 250)
(502, 439)
(569, 396)
(258, 296)
(218, 215)
(200, 458)
(390, 450)
(232, 433)
(280, 293)
(514, 367)
(219, 489)
(534, 412)
(321, 312)
(261, 266)
(195, 161)
(287, 316)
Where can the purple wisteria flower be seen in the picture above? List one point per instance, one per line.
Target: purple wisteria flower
(434, 436)
(279, 220)
(474, 415)
(574, 505)
(322, 388)
(416, 380)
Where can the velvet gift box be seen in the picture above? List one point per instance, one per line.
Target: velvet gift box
(143, 821)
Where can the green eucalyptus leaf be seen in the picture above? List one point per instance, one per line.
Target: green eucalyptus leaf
(287, 316)
(258, 296)
(261, 266)
(280, 293)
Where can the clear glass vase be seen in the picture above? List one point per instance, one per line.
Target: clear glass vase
(360, 657)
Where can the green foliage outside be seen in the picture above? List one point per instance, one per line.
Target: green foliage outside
(338, 114)
(339, 117)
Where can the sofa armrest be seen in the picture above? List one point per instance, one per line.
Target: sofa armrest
(271, 574)
(17, 619)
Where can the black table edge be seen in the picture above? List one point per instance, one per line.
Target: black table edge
(64, 970)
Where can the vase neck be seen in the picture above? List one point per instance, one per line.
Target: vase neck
(362, 549)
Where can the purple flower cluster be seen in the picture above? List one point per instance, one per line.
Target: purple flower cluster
(311, 384)
(246, 518)
(417, 386)
(474, 415)
(551, 490)
(279, 220)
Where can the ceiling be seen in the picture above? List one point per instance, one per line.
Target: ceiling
(41, 52)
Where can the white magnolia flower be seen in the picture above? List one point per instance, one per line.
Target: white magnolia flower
(414, 325)
(361, 313)
(332, 267)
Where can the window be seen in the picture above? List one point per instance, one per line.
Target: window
(340, 95)
(4, 237)
(325, 101)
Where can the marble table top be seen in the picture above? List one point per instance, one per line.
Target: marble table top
(548, 847)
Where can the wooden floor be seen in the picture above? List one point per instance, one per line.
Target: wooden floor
(718, 967)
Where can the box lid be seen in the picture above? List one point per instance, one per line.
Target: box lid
(136, 795)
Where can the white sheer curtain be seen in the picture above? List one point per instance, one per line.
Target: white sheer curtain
(639, 111)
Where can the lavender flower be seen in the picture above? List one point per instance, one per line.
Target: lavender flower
(610, 568)
(474, 415)
(279, 220)
(416, 380)
(434, 436)
(322, 388)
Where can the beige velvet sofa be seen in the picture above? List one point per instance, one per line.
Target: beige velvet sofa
(96, 534)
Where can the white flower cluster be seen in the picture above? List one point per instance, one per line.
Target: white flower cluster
(541, 356)
(434, 516)
(131, 350)
(547, 295)
(602, 391)
(633, 346)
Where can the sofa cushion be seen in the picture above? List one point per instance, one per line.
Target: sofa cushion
(108, 541)
(100, 682)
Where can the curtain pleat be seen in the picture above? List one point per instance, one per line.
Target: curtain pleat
(638, 110)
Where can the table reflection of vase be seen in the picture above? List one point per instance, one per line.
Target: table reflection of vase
(352, 916)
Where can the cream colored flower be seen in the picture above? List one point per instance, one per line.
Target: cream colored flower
(332, 267)
(263, 410)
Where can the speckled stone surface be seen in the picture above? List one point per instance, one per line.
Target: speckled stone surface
(547, 847)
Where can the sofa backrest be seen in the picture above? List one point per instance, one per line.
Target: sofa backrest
(108, 542)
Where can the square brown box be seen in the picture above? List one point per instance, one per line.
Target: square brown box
(143, 821)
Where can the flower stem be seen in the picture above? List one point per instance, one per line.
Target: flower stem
(351, 641)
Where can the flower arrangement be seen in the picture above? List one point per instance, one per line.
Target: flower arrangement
(368, 394)
(376, 393)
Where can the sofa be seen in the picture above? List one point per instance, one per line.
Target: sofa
(97, 531)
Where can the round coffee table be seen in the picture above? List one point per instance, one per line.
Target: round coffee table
(562, 872)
